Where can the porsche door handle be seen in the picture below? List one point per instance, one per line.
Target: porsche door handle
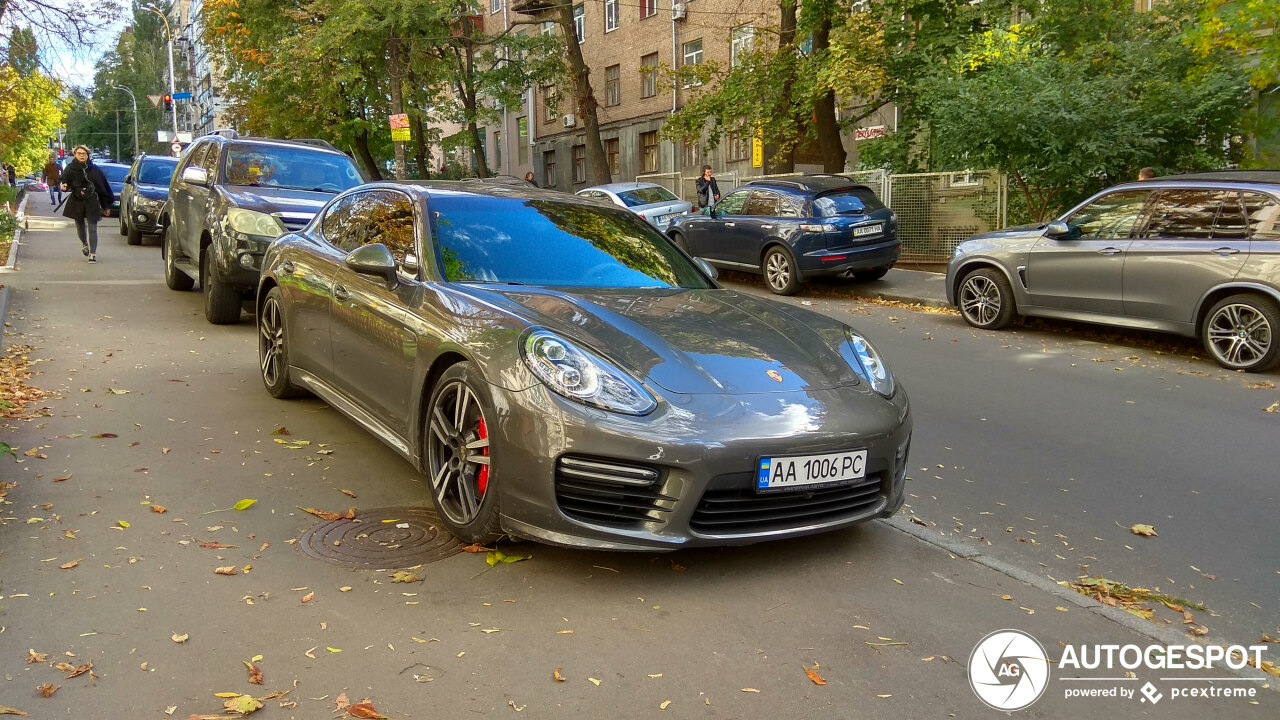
(1225, 251)
(340, 293)
(1110, 251)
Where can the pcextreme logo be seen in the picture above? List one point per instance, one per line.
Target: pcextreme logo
(1008, 670)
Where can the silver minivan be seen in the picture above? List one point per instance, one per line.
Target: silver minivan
(1196, 255)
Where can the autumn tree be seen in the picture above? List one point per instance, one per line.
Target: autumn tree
(31, 111)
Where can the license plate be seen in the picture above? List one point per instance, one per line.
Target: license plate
(665, 219)
(868, 230)
(782, 473)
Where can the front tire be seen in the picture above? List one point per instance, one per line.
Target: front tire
(780, 272)
(1239, 332)
(221, 301)
(124, 229)
(458, 456)
(679, 240)
(174, 278)
(273, 348)
(986, 299)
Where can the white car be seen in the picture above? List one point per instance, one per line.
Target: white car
(653, 203)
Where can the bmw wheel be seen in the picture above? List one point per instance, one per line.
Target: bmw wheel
(1239, 332)
(780, 272)
(986, 299)
(458, 456)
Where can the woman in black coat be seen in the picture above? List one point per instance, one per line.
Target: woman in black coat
(90, 198)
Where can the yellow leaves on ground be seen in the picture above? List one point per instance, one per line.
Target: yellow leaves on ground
(35, 658)
(558, 677)
(403, 576)
(497, 557)
(225, 570)
(330, 516)
(242, 704)
(813, 674)
(179, 638)
(308, 597)
(1144, 530)
(69, 565)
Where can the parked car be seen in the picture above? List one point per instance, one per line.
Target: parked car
(1196, 255)
(229, 198)
(655, 204)
(115, 173)
(559, 371)
(790, 230)
(146, 190)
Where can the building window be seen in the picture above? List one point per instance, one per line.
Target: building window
(522, 138)
(693, 56)
(579, 163)
(495, 6)
(736, 148)
(649, 152)
(497, 149)
(610, 15)
(548, 104)
(743, 41)
(549, 168)
(648, 8)
(613, 84)
(548, 27)
(580, 22)
(615, 160)
(692, 153)
(649, 75)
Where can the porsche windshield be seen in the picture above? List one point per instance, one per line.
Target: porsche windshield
(554, 243)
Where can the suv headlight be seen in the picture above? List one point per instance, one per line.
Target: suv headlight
(147, 204)
(582, 376)
(871, 366)
(248, 222)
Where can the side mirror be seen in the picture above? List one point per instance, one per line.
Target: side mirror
(707, 268)
(373, 259)
(128, 179)
(1057, 229)
(195, 176)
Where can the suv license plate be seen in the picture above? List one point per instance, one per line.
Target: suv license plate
(782, 473)
(868, 230)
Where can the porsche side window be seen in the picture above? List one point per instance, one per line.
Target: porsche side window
(1110, 217)
(336, 219)
(391, 217)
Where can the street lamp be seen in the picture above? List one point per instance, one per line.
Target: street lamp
(134, 100)
(172, 89)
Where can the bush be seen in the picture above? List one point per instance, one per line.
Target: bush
(8, 223)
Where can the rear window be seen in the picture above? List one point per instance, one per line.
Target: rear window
(647, 196)
(854, 201)
(156, 172)
(114, 173)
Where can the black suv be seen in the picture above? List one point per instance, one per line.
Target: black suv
(230, 197)
(146, 189)
(791, 229)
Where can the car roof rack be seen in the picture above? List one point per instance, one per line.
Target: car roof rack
(1270, 177)
(816, 182)
(225, 132)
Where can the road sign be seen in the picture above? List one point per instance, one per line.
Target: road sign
(399, 127)
(155, 100)
(176, 148)
(181, 96)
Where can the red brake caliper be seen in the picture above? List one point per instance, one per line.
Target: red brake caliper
(482, 481)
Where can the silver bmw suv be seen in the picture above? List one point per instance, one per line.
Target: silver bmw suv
(1195, 255)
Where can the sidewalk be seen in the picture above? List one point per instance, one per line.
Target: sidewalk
(908, 286)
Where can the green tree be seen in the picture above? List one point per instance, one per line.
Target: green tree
(1248, 29)
(31, 111)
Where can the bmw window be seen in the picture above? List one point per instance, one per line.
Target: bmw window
(1110, 217)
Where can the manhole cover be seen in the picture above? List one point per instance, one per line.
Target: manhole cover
(385, 538)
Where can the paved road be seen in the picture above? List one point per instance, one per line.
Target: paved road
(878, 610)
(1046, 446)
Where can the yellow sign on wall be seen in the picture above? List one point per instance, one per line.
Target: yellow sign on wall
(757, 150)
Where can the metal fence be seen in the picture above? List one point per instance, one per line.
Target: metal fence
(936, 211)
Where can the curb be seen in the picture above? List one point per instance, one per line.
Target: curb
(12, 264)
(905, 299)
(968, 550)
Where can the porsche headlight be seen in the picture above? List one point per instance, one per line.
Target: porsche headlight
(582, 376)
(871, 366)
(248, 222)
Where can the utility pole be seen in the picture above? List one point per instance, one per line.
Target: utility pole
(172, 89)
(117, 134)
(134, 100)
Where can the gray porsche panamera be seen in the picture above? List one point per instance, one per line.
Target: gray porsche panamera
(560, 371)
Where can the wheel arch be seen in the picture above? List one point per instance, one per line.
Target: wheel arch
(953, 290)
(443, 362)
(1212, 297)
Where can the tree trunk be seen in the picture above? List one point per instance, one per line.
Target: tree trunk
(396, 79)
(597, 162)
(824, 112)
(365, 157)
(420, 146)
(786, 43)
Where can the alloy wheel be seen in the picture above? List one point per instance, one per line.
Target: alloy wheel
(458, 452)
(1239, 335)
(980, 300)
(777, 270)
(271, 341)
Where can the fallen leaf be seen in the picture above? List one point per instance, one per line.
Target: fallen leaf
(63, 478)
(364, 710)
(105, 435)
(814, 676)
(1145, 530)
(68, 566)
(330, 516)
(403, 576)
(34, 658)
(1199, 630)
(242, 704)
(123, 524)
(243, 505)
(81, 669)
(333, 650)
(884, 696)
(179, 638)
(750, 690)
(225, 570)
(348, 493)
(495, 557)
(255, 674)
(114, 391)
(342, 702)
(48, 690)
(284, 431)
(594, 681)
(5, 710)
(215, 546)
(159, 509)
(308, 653)
(513, 705)
(308, 597)
(557, 675)
(64, 667)
(665, 704)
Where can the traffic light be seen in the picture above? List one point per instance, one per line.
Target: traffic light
(168, 102)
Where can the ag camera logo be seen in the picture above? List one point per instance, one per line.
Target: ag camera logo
(1008, 670)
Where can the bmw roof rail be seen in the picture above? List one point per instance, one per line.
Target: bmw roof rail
(225, 132)
(315, 141)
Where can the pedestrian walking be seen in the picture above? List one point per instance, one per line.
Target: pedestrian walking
(13, 175)
(52, 175)
(708, 190)
(90, 196)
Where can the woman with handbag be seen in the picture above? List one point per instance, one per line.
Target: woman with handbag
(89, 199)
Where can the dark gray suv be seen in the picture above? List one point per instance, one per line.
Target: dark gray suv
(230, 197)
(1196, 255)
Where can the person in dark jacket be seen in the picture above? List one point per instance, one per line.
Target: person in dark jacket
(52, 175)
(708, 190)
(89, 200)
